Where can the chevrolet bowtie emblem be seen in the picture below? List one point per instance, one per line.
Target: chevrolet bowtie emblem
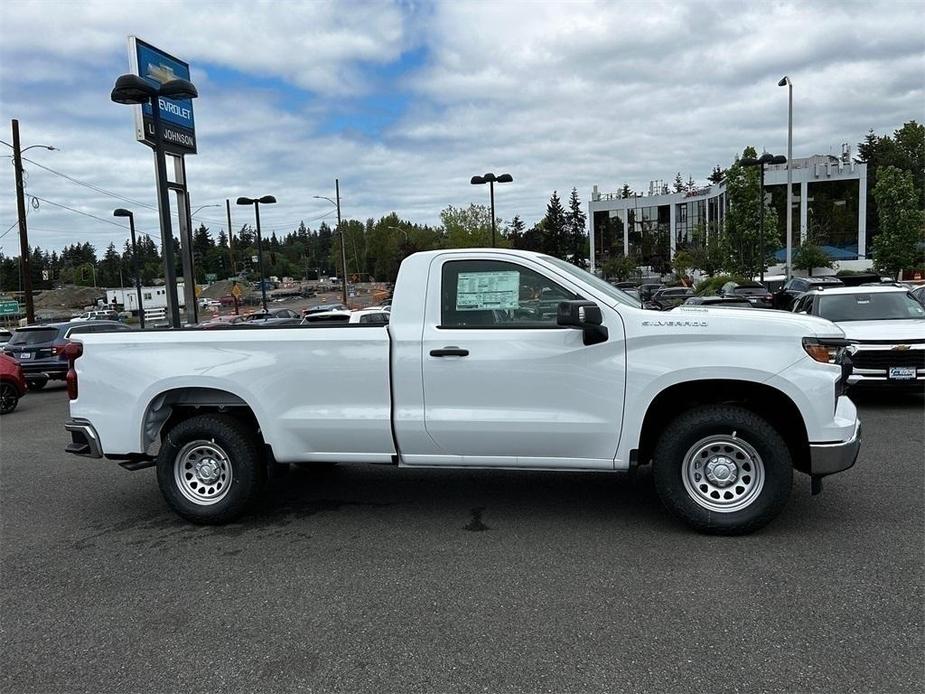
(900, 348)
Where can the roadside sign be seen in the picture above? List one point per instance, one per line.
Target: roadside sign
(198, 291)
(211, 277)
(177, 124)
(254, 259)
(236, 291)
(10, 308)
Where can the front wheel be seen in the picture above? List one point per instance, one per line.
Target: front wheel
(723, 470)
(9, 398)
(210, 469)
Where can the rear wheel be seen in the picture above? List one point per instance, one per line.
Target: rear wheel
(210, 469)
(9, 398)
(723, 470)
(37, 383)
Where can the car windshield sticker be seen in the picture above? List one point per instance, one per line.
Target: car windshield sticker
(480, 291)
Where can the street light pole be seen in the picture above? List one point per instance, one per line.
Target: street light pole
(230, 236)
(343, 236)
(266, 200)
(491, 179)
(24, 260)
(121, 212)
(785, 80)
(343, 241)
(760, 162)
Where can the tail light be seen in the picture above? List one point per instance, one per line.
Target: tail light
(73, 351)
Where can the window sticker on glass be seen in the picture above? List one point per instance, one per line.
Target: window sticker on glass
(481, 291)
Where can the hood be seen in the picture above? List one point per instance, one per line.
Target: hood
(754, 321)
(879, 330)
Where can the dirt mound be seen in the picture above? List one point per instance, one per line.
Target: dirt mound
(217, 290)
(69, 297)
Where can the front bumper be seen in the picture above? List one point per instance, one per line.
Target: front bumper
(84, 439)
(829, 458)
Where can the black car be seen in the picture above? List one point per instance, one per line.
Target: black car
(796, 286)
(754, 292)
(719, 302)
(668, 298)
(919, 293)
(647, 289)
(40, 348)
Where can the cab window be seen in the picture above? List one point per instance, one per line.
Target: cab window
(492, 293)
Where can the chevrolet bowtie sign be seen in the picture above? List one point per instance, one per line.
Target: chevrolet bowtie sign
(178, 128)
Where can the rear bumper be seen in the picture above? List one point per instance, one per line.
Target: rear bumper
(84, 439)
(50, 368)
(829, 458)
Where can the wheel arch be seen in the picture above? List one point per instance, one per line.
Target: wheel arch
(766, 401)
(174, 405)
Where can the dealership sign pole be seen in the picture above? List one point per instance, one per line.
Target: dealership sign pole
(169, 130)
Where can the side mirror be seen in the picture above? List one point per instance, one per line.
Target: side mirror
(584, 315)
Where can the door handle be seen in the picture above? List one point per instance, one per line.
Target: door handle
(449, 352)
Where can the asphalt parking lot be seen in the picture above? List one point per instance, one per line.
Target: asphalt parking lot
(379, 579)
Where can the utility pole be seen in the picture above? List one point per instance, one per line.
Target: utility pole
(230, 236)
(343, 238)
(25, 266)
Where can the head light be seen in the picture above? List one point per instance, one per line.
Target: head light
(825, 350)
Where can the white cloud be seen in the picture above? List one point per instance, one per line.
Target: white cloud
(560, 95)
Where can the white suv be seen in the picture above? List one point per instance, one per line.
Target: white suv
(886, 326)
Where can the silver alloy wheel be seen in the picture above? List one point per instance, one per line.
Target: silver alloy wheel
(203, 472)
(723, 473)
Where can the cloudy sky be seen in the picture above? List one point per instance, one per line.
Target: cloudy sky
(405, 101)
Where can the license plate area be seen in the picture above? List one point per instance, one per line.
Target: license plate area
(24, 355)
(901, 373)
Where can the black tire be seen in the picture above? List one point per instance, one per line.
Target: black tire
(9, 398)
(37, 383)
(720, 434)
(237, 447)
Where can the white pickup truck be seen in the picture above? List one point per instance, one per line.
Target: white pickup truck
(491, 359)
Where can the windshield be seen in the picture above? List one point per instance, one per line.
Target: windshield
(873, 306)
(34, 336)
(596, 282)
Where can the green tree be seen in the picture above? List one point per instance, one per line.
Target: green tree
(678, 185)
(626, 192)
(620, 268)
(469, 227)
(576, 241)
(516, 232)
(717, 174)
(741, 235)
(900, 221)
(554, 229)
(809, 256)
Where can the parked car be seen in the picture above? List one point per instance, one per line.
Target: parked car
(668, 298)
(102, 314)
(755, 292)
(724, 405)
(223, 322)
(40, 348)
(375, 316)
(886, 328)
(273, 313)
(323, 308)
(796, 286)
(5, 335)
(12, 384)
(647, 289)
(719, 302)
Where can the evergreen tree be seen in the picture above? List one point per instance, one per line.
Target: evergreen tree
(555, 233)
(678, 186)
(516, 232)
(741, 235)
(717, 175)
(626, 192)
(576, 232)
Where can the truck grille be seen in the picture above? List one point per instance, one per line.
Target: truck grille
(885, 358)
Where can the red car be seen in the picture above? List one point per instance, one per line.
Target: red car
(12, 384)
